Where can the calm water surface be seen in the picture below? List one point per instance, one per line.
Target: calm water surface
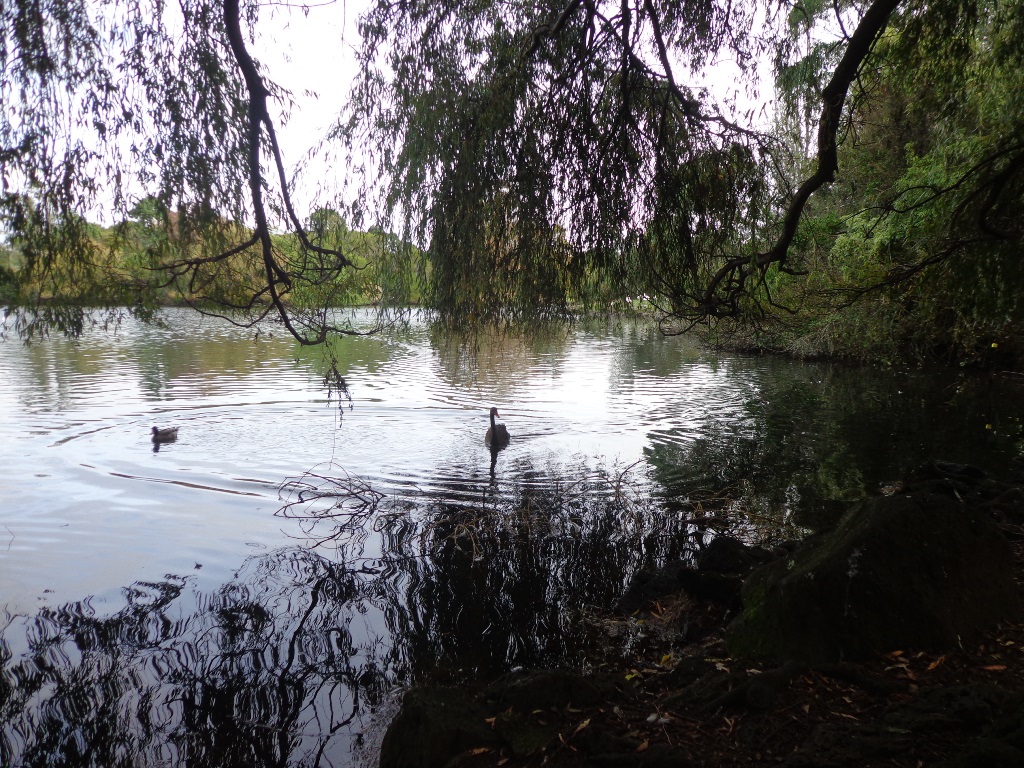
(207, 604)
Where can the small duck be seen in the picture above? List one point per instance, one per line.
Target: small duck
(165, 435)
(497, 434)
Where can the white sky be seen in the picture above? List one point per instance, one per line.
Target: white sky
(311, 54)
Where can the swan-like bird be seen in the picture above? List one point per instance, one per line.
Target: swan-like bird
(497, 434)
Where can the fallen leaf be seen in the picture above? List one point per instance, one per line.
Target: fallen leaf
(479, 751)
(937, 662)
(644, 745)
(995, 667)
(731, 723)
(581, 726)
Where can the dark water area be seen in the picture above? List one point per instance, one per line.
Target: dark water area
(258, 591)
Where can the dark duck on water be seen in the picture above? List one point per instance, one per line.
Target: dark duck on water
(165, 435)
(497, 434)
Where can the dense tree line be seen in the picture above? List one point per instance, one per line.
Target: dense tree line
(548, 158)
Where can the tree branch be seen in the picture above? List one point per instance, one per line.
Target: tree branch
(727, 284)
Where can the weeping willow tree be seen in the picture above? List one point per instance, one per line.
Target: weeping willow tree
(106, 101)
(558, 154)
(545, 157)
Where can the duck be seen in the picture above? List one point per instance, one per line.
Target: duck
(165, 435)
(497, 434)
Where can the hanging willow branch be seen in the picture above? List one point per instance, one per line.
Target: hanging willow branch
(104, 101)
(278, 277)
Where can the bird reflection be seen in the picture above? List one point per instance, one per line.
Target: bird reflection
(495, 450)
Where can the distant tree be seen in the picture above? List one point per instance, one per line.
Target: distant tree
(326, 225)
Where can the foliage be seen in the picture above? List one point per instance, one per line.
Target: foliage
(925, 214)
(549, 155)
(532, 160)
(106, 101)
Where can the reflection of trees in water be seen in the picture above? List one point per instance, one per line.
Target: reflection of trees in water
(503, 361)
(503, 580)
(262, 672)
(816, 436)
(280, 665)
(768, 473)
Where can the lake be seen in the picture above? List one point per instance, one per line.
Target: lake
(258, 591)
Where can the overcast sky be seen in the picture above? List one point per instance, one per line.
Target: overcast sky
(312, 54)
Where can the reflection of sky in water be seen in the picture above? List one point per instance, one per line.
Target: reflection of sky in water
(86, 506)
(89, 507)
(173, 568)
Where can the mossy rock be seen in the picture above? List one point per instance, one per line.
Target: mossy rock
(909, 571)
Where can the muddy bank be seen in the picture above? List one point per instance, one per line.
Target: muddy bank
(893, 638)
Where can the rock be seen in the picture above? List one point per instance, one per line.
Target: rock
(906, 571)
(820, 514)
(728, 555)
(434, 726)
(521, 735)
(715, 580)
(650, 585)
(947, 478)
(548, 689)
(712, 587)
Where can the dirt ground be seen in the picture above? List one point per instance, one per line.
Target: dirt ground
(661, 706)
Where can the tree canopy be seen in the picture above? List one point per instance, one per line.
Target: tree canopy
(558, 152)
(534, 159)
(103, 99)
